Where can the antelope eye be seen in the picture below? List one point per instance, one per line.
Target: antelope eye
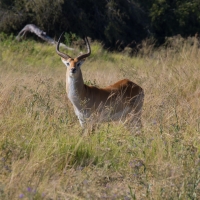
(67, 64)
(78, 64)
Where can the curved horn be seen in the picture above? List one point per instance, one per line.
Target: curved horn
(88, 53)
(63, 55)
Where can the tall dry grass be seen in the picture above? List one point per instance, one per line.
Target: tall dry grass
(43, 153)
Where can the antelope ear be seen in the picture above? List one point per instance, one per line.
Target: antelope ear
(79, 63)
(66, 62)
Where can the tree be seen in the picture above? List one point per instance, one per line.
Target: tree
(170, 17)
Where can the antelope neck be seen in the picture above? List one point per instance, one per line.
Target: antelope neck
(75, 89)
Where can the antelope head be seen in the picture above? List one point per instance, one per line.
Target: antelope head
(73, 64)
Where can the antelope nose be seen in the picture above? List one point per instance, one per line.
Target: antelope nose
(73, 70)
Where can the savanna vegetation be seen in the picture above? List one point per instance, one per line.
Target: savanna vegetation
(43, 154)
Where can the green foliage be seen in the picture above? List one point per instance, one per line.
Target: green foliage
(46, 13)
(70, 37)
(118, 23)
(170, 18)
(12, 16)
(121, 17)
(108, 21)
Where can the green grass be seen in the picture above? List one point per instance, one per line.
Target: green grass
(43, 154)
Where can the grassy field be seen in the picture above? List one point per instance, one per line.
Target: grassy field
(43, 154)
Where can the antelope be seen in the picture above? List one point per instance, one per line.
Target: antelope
(121, 101)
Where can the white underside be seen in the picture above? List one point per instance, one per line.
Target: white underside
(85, 116)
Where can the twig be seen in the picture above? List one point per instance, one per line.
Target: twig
(34, 29)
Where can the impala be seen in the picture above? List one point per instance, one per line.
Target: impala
(121, 101)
